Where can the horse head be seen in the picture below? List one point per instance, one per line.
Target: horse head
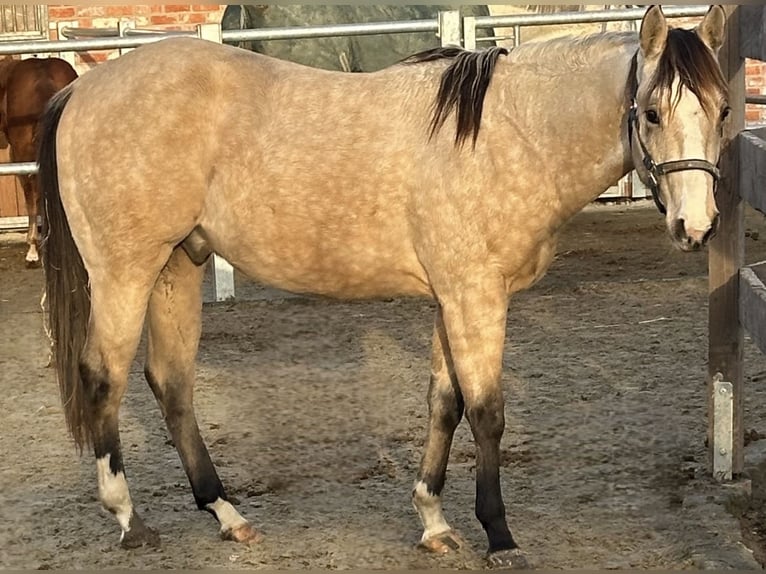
(679, 105)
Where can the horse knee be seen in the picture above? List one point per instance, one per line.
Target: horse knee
(446, 406)
(487, 420)
(97, 388)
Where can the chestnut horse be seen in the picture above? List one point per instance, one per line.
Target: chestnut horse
(448, 175)
(26, 86)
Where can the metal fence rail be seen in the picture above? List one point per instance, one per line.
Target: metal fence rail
(272, 33)
(516, 21)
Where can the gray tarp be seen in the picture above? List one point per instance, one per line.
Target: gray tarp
(354, 53)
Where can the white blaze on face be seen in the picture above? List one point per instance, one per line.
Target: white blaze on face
(227, 515)
(691, 191)
(429, 507)
(114, 494)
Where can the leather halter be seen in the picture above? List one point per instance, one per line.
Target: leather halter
(656, 170)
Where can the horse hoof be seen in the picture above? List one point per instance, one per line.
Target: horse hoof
(443, 543)
(244, 534)
(508, 560)
(140, 535)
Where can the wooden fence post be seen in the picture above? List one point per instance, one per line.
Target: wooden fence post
(726, 255)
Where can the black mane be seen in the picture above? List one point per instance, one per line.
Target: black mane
(463, 87)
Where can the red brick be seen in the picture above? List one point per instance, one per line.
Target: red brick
(164, 19)
(125, 11)
(60, 12)
(198, 18)
(91, 11)
(753, 114)
(176, 8)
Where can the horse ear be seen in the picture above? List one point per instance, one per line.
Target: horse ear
(712, 28)
(654, 32)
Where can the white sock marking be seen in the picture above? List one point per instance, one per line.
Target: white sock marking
(429, 507)
(227, 515)
(32, 255)
(114, 493)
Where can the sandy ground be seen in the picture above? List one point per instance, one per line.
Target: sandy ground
(314, 412)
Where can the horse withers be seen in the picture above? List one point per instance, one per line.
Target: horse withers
(421, 179)
(26, 86)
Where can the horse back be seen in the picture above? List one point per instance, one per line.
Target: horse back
(267, 161)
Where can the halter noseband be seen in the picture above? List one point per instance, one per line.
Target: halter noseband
(654, 169)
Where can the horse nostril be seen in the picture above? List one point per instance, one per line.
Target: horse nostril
(679, 230)
(713, 228)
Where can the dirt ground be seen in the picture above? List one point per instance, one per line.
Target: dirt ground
(315, 412)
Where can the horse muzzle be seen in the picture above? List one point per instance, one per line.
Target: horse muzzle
(689, 238)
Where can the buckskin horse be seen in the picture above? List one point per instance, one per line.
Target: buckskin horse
(26, 86)
(448, 175)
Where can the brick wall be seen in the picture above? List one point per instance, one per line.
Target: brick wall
(756, 85)
(159, 16)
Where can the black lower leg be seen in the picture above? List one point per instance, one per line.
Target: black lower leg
(174, 397)
(445, 406)
(487, 422)
(101, 414)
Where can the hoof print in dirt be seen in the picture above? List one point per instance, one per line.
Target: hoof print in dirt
(139, 537)
(508, 559)
(244, 534)
(442, 543)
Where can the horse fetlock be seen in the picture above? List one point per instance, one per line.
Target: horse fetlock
(429, 507)
(442, 543)
(114, 493)
(244, 534)
(233, 525)
(33, 257)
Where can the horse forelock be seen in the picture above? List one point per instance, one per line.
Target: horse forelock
(462, 88)
(687, 59)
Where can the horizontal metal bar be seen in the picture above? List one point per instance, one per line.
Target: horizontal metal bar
(72, 32)
(23, 168)
(141, 38)
(331, 30)
(145, 31)
(756, 100)
(14, 223)
(584, 17)
(83, 45)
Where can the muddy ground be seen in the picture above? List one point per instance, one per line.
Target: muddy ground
(314, 412)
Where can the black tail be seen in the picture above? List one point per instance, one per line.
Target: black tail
(66, 280)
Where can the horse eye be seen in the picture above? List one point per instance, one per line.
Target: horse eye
(653, 117)
(725, 113)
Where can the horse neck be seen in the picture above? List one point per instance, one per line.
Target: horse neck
(575, 126)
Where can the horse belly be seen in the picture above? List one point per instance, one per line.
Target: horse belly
(341, 261)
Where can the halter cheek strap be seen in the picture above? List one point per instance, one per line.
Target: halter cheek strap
(656, 170)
